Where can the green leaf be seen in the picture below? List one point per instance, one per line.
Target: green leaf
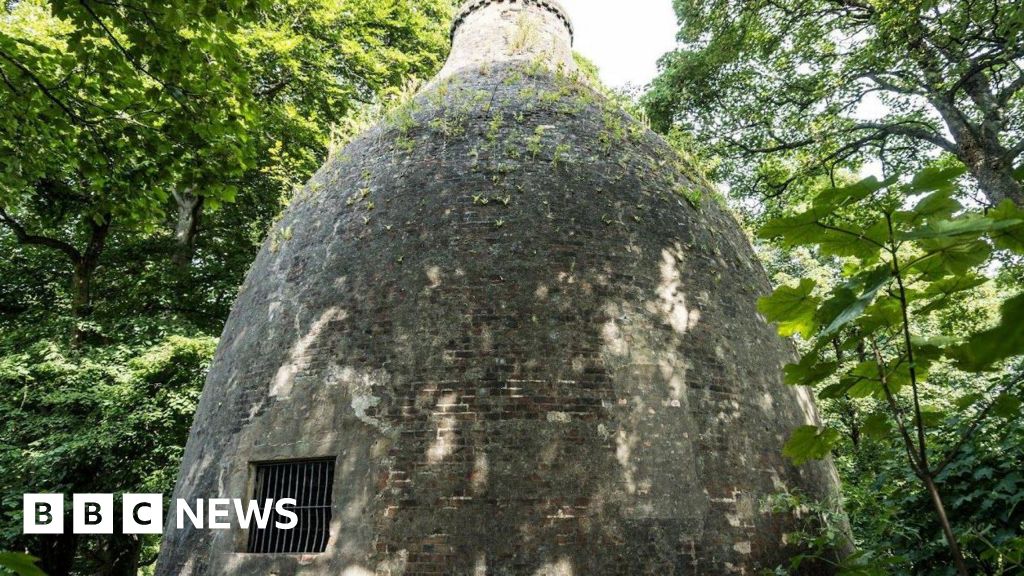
(809, 229)
(1007, 406)
(931, 415)
(877, 426)
(835, 391)
(946, 256)
(939, 291)
(954, 284)
(21, 564)
(984, 349)
(863, 380)
(792, 308)
(884, 313)
(864, 244)
(968, 400)
(970, 226)
(846, 307)
(834, 198)
(810, 443)
(938, 204)
(808, 371)
(799, 229)
(935, 178)
(1012, 237)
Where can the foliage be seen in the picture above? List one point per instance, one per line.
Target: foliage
(112, 419)
(117, 122)
(982, 488)
(20, 564)
(94, 121)
(783, 90)
(909, 252)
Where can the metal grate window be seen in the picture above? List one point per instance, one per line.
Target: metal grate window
(310, 483)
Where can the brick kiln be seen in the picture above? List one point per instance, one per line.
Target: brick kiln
(506, 331)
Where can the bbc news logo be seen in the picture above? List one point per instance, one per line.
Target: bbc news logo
(143, 513)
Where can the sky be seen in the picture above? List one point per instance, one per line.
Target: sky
(624, 38)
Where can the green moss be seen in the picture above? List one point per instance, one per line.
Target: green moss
(691, 194)
(494, 127)
(561, 152)
(533, 143)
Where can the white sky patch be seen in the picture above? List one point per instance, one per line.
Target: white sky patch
(624, 39)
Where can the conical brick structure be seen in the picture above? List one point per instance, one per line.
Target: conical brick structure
(507, 331)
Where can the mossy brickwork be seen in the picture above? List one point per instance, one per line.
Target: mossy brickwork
(527, 334)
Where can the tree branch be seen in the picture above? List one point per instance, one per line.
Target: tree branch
(908, 444)
(127, 56)
(978, 421)
(911, 129)
(42, 87)
(24, 237)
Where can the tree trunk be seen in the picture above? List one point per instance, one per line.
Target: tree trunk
(81, 289)
(986, 158)
(190, 209)
(85, 268)
(57, 553)
(947, 528)
(994, 178)
(124, 551)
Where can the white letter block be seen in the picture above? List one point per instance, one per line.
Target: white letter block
(142, 514)
(93, 513)
(43, 513)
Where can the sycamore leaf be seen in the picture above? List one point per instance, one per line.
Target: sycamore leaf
(809, 229)
(877, 426)
(800, 228)
(946, 256)
(884, 313)
(808, 371)
(20, 564)
(864, 380)
(954, 284)
(928, 350)
(931, 415)
(1012, 237)
(970, 226)
(938, 204)
(810, 443)
(861, 385)
(846, 307)
(984, 349)
(939, 291)
(1007, 406)
(968, 400)
(835, 391)
(864, 244)
(935, 179)
(834, 198)
(792, 308)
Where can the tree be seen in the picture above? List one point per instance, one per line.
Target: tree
(105, 109)
(111, 120)
(114, 420)
(309, 65)
(784, 83)
(901, 266)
